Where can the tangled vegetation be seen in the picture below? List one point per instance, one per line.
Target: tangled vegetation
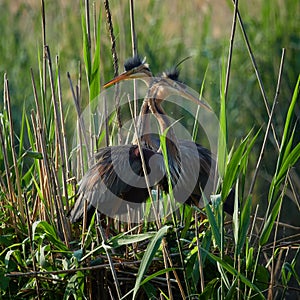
(196, 254)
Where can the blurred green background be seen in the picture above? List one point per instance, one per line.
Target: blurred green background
(168, 31)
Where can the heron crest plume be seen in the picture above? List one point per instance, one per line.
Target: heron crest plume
(134, 62)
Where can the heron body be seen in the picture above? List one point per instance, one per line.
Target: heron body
(118, 174)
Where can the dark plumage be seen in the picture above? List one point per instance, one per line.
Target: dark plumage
(172, 74)
(103, 187)
(133, 62)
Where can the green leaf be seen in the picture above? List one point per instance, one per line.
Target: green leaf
(129, 239)
(50, 233)
(249, 258)
(148, 257)
(290, 114)
(290, 268)
(234, 272)
(289, 144)
(4, 282)
(210, 291)
(86, 47)
(232, 290)
(285, 146)
(150, 290)
(95, 76)
(290, 161)
(222, 139)
(158, 273)
(213, 223)
(270, 222)
(34, 154)
(75, 287)
(233, 167)
(22, 131)
(244, 225)
(188, 214)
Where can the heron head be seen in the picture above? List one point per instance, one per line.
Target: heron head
(167, 84)
(135, 68)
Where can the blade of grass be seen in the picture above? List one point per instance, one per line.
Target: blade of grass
(11, 195)
(213, 223)
(95, 74)
(235, 273)
(112, 268)
(244, 225)
(148, 257)
(7, 100)
(222, 139)
(196, 123)
(86, 40)
(62, 139)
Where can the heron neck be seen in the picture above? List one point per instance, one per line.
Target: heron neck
(143, 125)
(165, 126)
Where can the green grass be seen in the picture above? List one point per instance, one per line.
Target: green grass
(254, 254)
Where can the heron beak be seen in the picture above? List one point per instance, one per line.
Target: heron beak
(136, 73)
(183, 91)
(196, 100)
(123, 76)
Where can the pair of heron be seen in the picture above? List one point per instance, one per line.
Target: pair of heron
(191, 166)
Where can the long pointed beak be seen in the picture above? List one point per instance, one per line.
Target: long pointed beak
(185, 93)
(141, 72)
(123, 76)
(196, 100)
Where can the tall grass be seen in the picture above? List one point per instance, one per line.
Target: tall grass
(211, 256)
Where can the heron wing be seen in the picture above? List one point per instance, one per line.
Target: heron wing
(116, 175)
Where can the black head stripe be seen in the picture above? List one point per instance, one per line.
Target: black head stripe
(172, 73)
(133, 62)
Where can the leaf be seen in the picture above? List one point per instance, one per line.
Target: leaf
(160, 272)
(244, 225)
(210, 291)
(188, 214)
(86, 46)
(95, 76)
(4, 282)
(50, 234)
(129, 239)
(290, 114)
(285, 146)
(234, 272)
(249, 258)
(290, 268)
(213, 223)
(75, 287)
(291, 159)
(148, 257)
(34, 154)
(222, 139)
(232, 290)
(270, 222)
(233, 166)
